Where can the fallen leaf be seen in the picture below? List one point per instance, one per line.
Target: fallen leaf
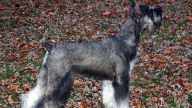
(90, 7)
(147, 66)
(38, 21)
(147, 92)
(156, 99)
(189, 18)
(125, 3)
(136, 95)
(12, 89)
(1, 36)
(137, 69)
(181, 82)
(12, 56)
(21, 54)
(173, 48)
(151, 2)
(95, 30)
(13, 77)
(77, 82)
(148, 57)
(3, 82)
(52, 13)
(3, 18)
(144, 37)
(138, 105)
(84, 103)
(22, 7)
(134, 77)
(78, 89)
(10, 101)
(96, 37)
(31, 44)
(98, 85)
(1, 7)
(106, 13)
(81, 106)
(26, 86)
(53, 41)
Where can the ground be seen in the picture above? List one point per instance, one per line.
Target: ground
(161, 78)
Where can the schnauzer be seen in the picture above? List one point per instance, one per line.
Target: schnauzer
(111, 59)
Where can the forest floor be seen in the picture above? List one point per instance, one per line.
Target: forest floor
(162, 77)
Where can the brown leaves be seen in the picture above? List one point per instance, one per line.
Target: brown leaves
(32, 68)
(36, 3)
(22, 7)
(12, 88)
(138, 105)
(189, 17)
(12, 56)
(137, 69)
(136, 95)
(185, 83)
(52, 41)
(181, 82)
(83, 103)
(107, 13)
(3, 18)
(148, 57)
(90, 33)
(10, 101)
(38, 21)
(97, 85)
(77, 82)
(147, 91)
(1, 36)
(1, 7)
(26, 86)
(21, 54)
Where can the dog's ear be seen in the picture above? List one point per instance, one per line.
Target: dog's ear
(159, 11)
(47, 45)
(134, 10)
(144, 10)
(132, 7)
(138, 13)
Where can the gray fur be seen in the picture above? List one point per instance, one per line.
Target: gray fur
(108, 58)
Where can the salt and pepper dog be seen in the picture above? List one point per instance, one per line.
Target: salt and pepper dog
(111, 59)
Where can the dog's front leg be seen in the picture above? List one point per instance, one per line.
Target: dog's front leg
(115, 93)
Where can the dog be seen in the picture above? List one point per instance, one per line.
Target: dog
(111, 59)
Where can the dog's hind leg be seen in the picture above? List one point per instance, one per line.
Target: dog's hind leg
(121, 94)
(59, 90)
(34, 98)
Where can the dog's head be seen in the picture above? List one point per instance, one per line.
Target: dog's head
(150, 17)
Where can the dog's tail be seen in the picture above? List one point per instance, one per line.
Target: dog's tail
(47, 45)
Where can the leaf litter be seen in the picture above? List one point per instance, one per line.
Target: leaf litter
(161, 78)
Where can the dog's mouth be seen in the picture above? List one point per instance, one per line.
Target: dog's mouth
(154, 29)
